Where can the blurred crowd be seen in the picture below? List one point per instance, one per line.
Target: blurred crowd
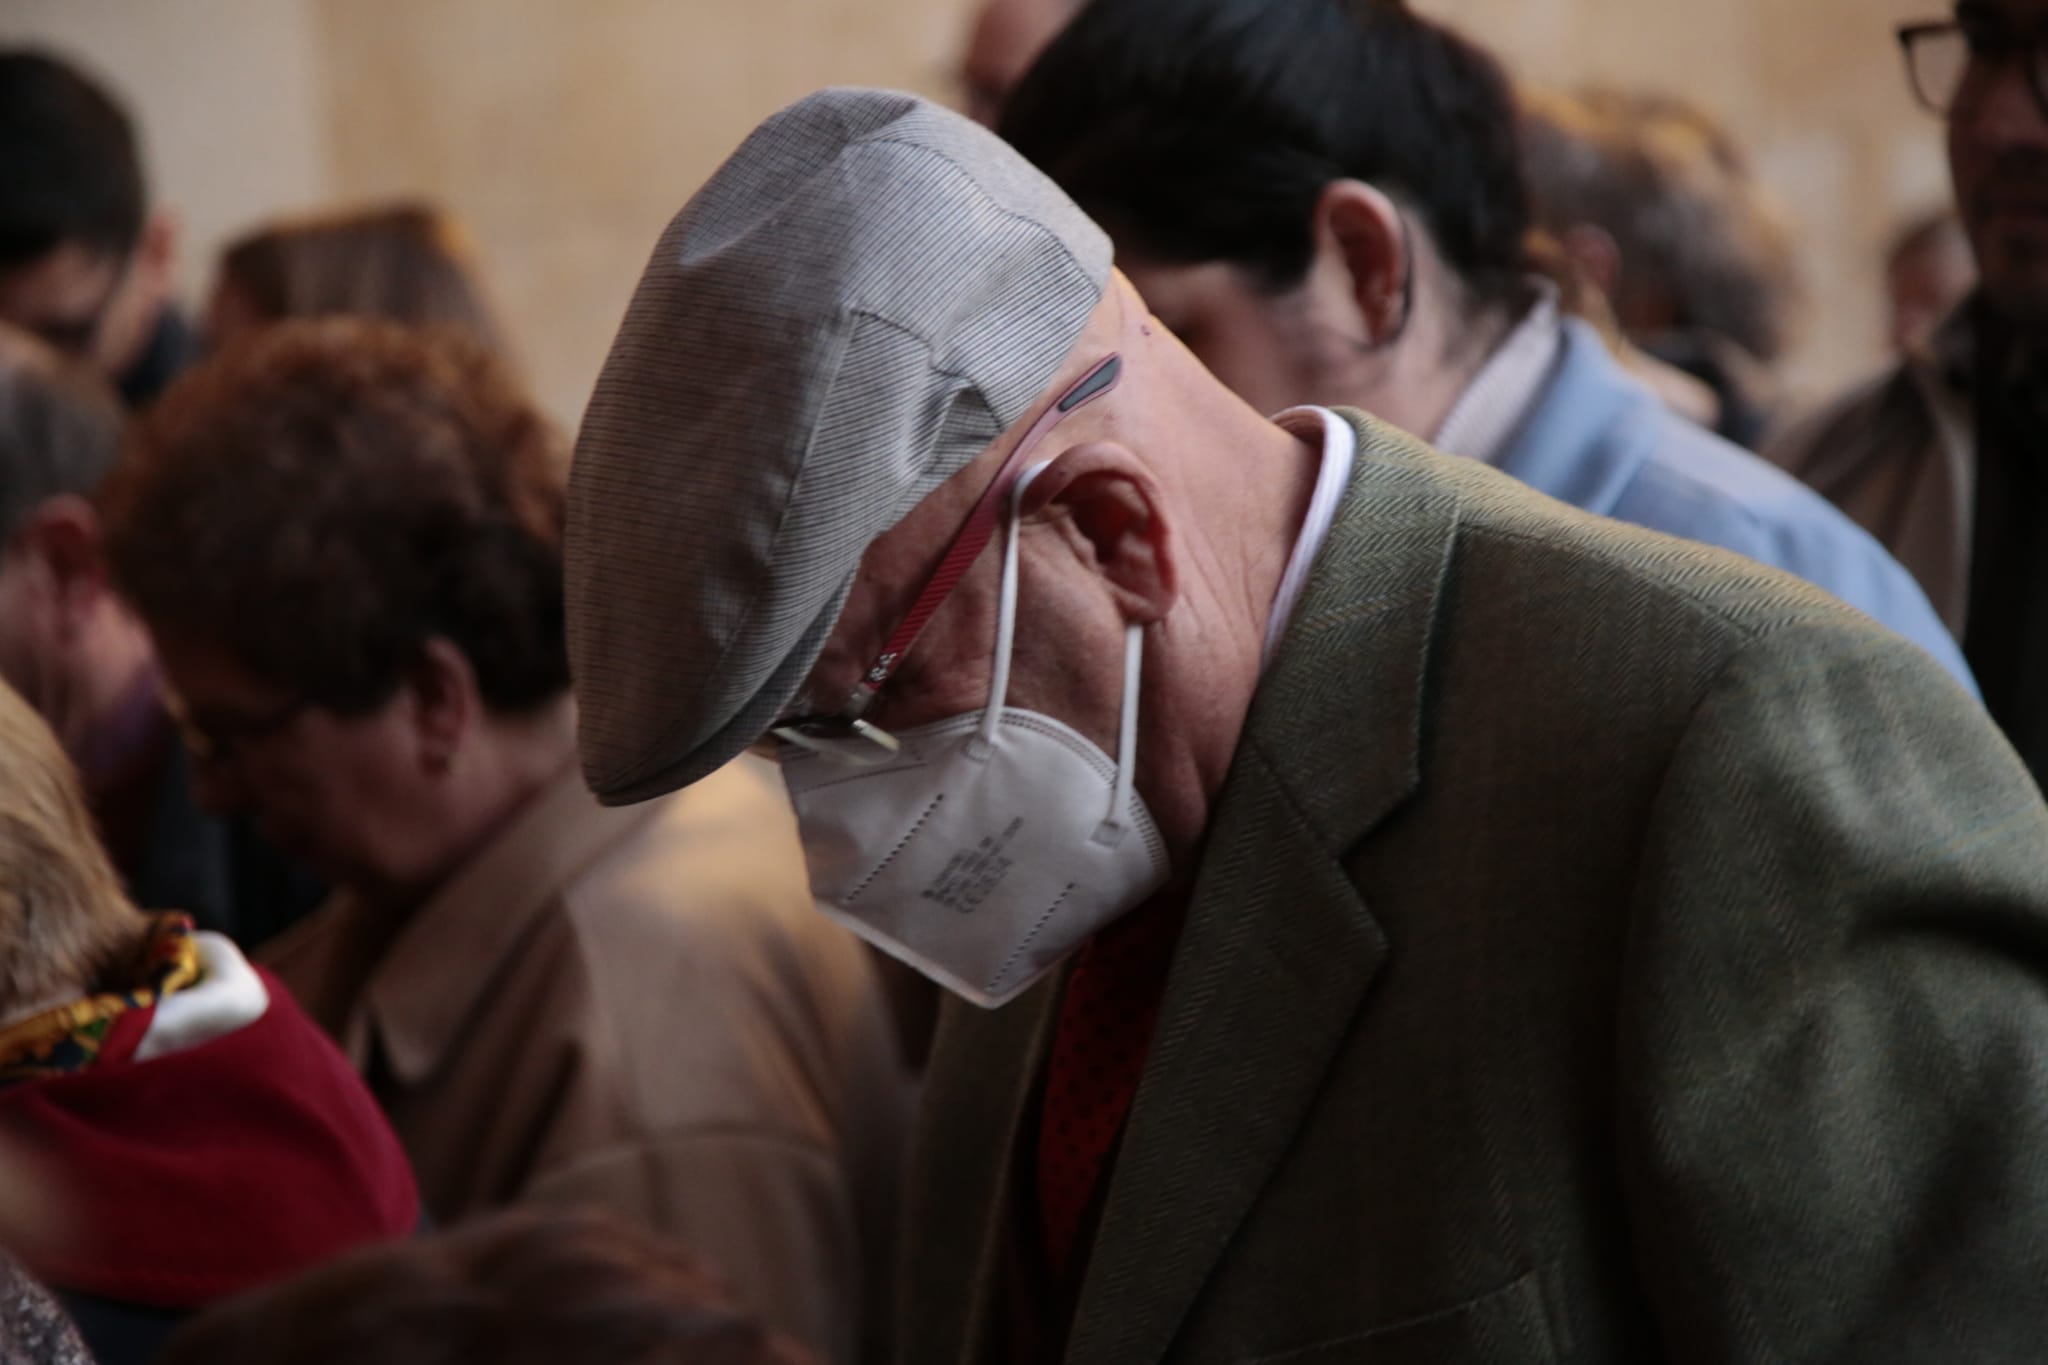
(1574, 882)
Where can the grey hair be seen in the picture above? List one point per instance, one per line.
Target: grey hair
(60, 428)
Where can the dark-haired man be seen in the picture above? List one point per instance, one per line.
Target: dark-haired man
(1397, 917)
(1325, 200)
(84, 263)
(1941, 457)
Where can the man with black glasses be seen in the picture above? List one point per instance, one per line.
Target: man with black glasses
(1938, 458)
(1326, 202)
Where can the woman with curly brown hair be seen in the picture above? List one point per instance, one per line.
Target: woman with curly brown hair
(345, 538)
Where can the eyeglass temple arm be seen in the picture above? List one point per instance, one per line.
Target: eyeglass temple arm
(976, 531)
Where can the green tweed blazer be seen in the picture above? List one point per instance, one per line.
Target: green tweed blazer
(1605, 949)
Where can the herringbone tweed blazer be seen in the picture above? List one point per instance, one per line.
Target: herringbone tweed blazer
(1605, 949)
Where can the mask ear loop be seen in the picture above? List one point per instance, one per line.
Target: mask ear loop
(1110, 832)
(984, 741)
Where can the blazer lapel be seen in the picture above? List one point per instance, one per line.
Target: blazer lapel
(1280, 948)
(983, 1069)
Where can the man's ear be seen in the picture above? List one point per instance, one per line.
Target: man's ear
(156, 250)
(1114, 508)
(445, 700)
(1358, 230)
(61, 539)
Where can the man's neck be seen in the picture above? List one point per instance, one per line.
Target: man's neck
(1420, 380)
(1471, 344)
(500, 774)
(1519, 355)
(1246, 485)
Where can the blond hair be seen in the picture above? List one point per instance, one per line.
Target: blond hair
(65, 921)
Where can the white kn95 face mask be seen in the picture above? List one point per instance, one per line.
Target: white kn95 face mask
(991, 844)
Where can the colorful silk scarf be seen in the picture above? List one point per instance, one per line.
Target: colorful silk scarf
(68, 1039)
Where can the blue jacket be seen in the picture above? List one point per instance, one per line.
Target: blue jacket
(1601, 441)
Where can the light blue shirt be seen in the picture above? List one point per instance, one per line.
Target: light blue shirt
(1600, 440)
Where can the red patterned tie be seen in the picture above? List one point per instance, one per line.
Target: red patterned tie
(1098, 1055)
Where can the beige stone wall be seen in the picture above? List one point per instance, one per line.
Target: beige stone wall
(227, 93)
(566, 131)
(567, 134)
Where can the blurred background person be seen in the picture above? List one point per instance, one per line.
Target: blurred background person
(563, 146)
(1655, 205)
(1941, 456)
(84, 263)
(1004, 38)
(75, 651)
(409, 262)
(533, 1287)
(1324, 200)
(346, 540)
(34, 1329)
(198, 1132)
(1928, 272)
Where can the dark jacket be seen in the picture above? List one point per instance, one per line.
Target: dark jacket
(1898, 454)
(218, 868)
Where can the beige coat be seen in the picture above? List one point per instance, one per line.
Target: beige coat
(641, 1009)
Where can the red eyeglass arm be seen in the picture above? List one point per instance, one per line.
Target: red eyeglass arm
(980, 526)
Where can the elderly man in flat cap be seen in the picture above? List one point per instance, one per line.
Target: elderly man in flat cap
(1398, 917)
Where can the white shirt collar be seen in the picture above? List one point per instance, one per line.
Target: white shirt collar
(1484, 420)
(1340, 448)
(228, 996)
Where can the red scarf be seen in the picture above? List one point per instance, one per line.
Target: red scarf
(204, 1172)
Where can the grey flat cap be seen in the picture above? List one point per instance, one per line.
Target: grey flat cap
(866, 295)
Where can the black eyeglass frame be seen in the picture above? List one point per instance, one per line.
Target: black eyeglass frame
(1914, 36)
